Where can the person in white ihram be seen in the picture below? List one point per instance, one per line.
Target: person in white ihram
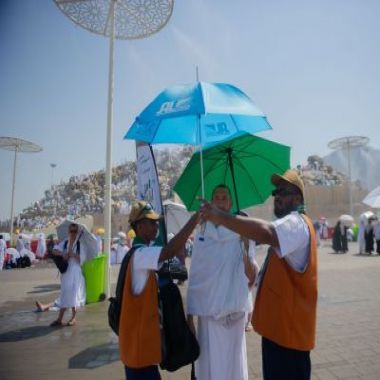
(218, 294)
(73, 291)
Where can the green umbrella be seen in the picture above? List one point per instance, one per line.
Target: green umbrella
(245, 164)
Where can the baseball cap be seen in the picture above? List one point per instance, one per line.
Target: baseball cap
(291, 176)
(142, 210)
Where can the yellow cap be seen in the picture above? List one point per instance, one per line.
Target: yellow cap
(131, 234)
(291, 176)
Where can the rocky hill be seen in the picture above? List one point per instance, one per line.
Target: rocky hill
(84, 194)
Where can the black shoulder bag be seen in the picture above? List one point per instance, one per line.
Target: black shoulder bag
(180, 344)
(59, 261)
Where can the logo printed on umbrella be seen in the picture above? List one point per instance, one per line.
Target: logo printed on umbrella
(145, 129)
(174, 106)
(217, 129)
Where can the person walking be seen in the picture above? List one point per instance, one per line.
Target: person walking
(286, 301)
(139, 327)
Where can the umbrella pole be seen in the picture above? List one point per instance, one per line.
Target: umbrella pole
(230, 163)
(201, 156)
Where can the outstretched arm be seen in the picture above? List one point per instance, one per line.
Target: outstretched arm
(179, 240)
(259, 230)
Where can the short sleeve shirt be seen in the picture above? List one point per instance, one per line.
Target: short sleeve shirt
(144, 260)
(294, 239)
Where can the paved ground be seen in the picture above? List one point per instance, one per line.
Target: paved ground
(348, 336)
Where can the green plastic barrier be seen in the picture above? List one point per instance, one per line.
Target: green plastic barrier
(355, 230)
(93, 272)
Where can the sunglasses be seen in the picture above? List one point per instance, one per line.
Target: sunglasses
(283, 192)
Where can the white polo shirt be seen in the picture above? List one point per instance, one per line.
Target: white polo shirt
(294, 239)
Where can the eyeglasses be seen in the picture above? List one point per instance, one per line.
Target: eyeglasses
(283, 192)
(73, 231)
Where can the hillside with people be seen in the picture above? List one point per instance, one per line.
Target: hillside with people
(84, 194)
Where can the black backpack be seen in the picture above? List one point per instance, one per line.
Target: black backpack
(23, 262)
(180, 346)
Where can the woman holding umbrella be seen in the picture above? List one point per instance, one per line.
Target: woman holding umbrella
(73, 291)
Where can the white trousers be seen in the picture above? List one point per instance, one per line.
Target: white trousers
(223, 351)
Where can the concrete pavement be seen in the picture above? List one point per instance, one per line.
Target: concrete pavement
(348, 332)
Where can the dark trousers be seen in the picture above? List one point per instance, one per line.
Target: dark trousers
(145, 373)
(280, 363)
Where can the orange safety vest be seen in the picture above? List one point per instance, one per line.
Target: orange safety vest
(139, 327)
(286, 303)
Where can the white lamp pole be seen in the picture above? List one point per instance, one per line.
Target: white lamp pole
(108, 179)
(16, 145)
(13, 191)
(122, 19)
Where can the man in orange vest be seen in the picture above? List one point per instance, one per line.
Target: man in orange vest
(139, 326)
(286, 300)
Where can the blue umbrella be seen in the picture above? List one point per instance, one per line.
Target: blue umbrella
(198, 114)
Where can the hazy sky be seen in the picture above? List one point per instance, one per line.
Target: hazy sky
(313, 67)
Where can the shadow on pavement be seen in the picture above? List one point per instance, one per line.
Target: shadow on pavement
(26, 333)
(94, 357)
(45, 288)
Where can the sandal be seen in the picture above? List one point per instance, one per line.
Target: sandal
(71, 323)
(56, 323)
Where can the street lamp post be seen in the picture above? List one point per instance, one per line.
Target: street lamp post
(120, 19)
(17, 145)
(53, 166)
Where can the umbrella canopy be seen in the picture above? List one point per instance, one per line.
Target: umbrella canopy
(245, 164)
(86, 239)
(176, 216)
(346, 220)
(197, 114)
(373, 198)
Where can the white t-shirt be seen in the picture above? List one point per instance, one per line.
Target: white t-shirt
(144, 259)
(294, 239)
